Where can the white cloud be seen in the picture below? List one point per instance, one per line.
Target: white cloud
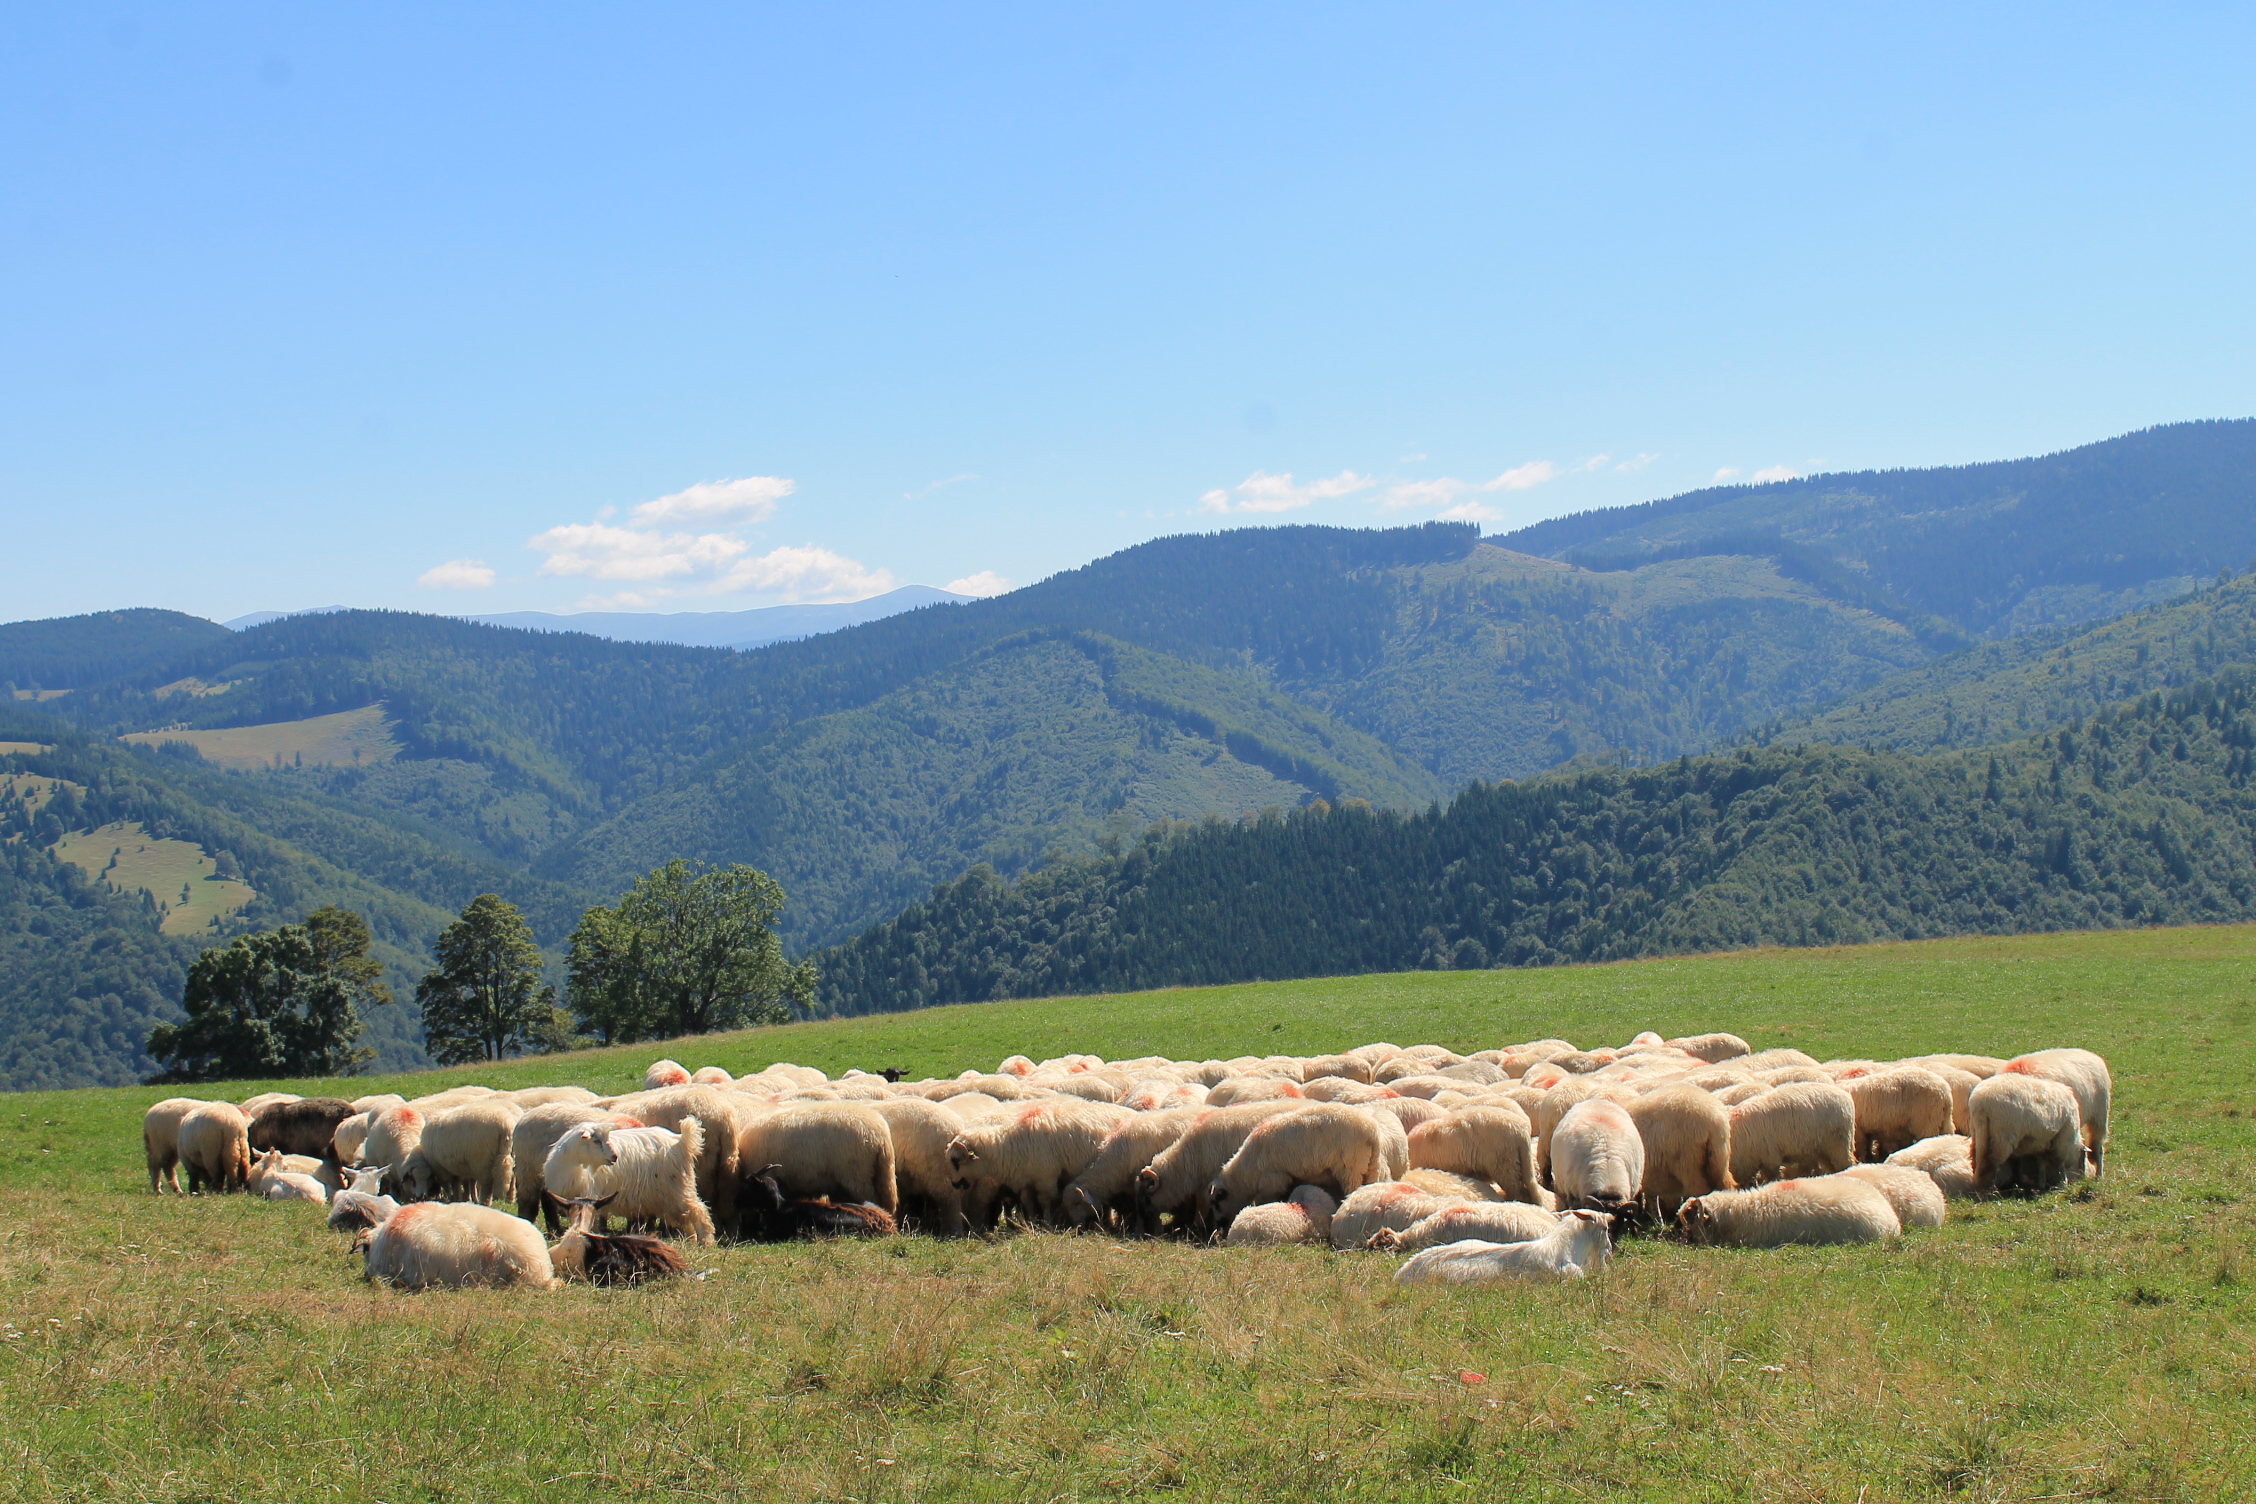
(986, 582)
(1770, 473)
(806, 573)
(599, 551)
(1728, 472)
(457, 574)
(1638, 463)
(1263, 492)
(1444, 491)
(720, 502)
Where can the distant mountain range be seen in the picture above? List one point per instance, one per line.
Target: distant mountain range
(406, 763)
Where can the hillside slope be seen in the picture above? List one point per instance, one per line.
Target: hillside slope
(1987, 549)
(2141, 816)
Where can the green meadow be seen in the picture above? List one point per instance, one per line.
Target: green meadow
(2094, 1345)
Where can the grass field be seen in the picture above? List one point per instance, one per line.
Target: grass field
(27, 749)
(129, 859)
(347, 739)
(2096, 1345)
(35, 792)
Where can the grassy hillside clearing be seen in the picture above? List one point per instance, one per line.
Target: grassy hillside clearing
(2098, 1345)
(177, 874)
(33, 790)
(349, 738)
(27, 749)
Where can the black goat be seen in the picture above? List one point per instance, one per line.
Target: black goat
(603, 1258)
(766, 1215)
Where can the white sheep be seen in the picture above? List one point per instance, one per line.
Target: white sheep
(272, 1177)
(456, 1244)
(1947, 1159)
(1597, 1157)
(160, 1140)
(1323, 1143)
(652, 1171)
(464, 1153)
(1804, 1128)
(1712, 1047)
(2027, 1134)
(1578, 1245)
(529, 1097)
(1917, 1200)
(1687, 1136)
(350, 1137)
(1493, 1141)
(664, 1073)
(2084, 1074)
(710, 1075)
(919, 1131)
(534, 1135)
(1477, 1221)
(378, 1102)
(1896, 1107)
(1178, 1178)
(1034, 1150)
(842, 1150)
(252, 1106)
(1387, 1204)
(215, 1146)
(1303, 1217)
(1105, 1191)
(1822, 1209)
(719, 1111)
(393, 1134)
(1236, 1089)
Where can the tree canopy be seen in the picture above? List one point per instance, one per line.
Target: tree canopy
(484, 1000)
(282, 1002)
(686, 952)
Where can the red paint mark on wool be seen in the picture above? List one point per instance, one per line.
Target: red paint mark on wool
(621, 1120)
(2018, 1068)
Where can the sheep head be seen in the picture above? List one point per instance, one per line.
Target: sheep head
(1696, 1221)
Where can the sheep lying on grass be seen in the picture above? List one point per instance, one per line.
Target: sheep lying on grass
(1826, 1209)
(1477, 1221)
(1948, 1160)
(455, 1244)
(1580, 1244)
(1303, 1217)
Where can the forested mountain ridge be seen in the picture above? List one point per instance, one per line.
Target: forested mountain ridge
(2141, 815)
(1192, 676)
(1990, 549)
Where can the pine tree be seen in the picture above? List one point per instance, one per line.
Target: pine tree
(484, 1000)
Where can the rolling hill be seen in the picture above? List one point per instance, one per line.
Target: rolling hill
(405, 763)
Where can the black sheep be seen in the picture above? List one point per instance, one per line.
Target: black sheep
(306, 1126)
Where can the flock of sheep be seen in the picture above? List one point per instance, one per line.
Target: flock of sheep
(1508, 1163)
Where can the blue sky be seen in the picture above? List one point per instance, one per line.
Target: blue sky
(702, 309)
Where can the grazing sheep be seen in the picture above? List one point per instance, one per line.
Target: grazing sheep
(1408, 1111)
(1795, 1075)
(1161, 1096)
(1323, 1143)
(1687, 1135)
(1104, 1193)
(1341, 1089)
(1034, 1150)
(2084, 1074)
(719, 1112)
(453, 1096)
(1178, 1178)
(531, 1097)
(302, 1125)
(1346, 1067)
(534, 1135)
(710, 1075)
(392, 1136)
(1980, 1067)
(1766, 1060)
(1555, 1104)
(215, 1146)
(1303, 1217)
(842, 1150)
(1712, 1047)
(351, 1135)
(1948, 1160)
(1493, 1142)
(665, 1073)
(1391, 1204)
(1235, 1089)
(769, 1216)
(1897, 1107)
(1913, 1193)
(1578, 1245)
(1746, 1091)
(1086, 1085)
(1823, 1209)
(456, 1244)
(1394, 1139)
(608, 1259)
(2028, 1134)
(1597, 1157)
(652, 1172)
(1452, 1185)
(1806, 1128)
(377, 1103)
(464, 1153)
(251, 1107)
(922, 1176)
(1481, 1221)
(160, 1140)
(971, 1106)
(1961, 1084)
